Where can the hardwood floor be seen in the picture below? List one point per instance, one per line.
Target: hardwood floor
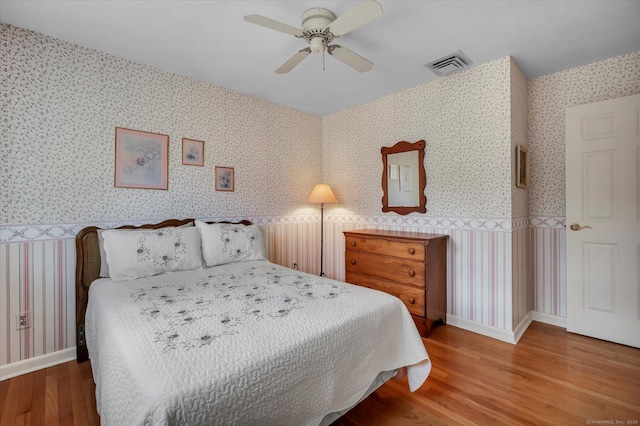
(63, 394)
(550, 377)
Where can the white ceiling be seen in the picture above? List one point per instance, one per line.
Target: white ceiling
(210, 41)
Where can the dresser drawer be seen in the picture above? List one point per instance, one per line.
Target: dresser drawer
(412, 297)
(396, 269)
(409, 265)
(407, 250)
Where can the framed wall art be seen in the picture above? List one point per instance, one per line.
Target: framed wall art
(141, 160)
(224, 179)
(192, 152)
(522, 167)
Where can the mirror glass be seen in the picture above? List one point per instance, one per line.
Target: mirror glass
(403, 178)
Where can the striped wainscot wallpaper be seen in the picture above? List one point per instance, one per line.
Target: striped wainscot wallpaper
(548, 271)
(37, 278)
(500, 273)
(37, 275)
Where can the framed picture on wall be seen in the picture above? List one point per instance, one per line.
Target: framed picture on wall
(224, 179)
(522, 167)
(192, 152)
(142, 159)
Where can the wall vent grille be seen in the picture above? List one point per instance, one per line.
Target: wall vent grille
(449, 64)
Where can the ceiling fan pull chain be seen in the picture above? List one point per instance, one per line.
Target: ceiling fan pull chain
(323, 60)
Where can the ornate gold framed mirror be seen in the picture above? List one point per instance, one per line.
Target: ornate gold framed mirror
(404, 178)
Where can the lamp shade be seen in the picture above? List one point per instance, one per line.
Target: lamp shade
(322, 194)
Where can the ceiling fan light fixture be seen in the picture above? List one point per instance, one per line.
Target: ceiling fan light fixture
(317, 44)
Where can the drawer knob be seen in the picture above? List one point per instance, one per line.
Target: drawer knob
(412, 300)
(353, 243)
(353, 261)
(412, 273)
(412, 251)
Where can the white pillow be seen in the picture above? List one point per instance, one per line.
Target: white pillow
(143, 253)
(104, 266)
(227, 242)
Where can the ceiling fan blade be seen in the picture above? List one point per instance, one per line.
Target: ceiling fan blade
(365, 11)
(350, 58)
(273, 24)
(293, 61)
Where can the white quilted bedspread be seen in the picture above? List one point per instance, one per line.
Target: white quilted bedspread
(249, 343)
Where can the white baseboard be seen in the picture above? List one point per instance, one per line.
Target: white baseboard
(522, 327)
(485, 330)
(507, 336)
(549, 319)
(37, 363)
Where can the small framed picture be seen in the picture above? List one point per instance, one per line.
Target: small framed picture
(192, 152)
(224, 179)
(522, 167)
(142, 159)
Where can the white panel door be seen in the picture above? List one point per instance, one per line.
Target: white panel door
(603, 220)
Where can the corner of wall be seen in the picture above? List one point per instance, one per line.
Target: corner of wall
(519, 136)
(521, 303)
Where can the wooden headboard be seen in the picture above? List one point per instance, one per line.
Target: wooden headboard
(88, 270)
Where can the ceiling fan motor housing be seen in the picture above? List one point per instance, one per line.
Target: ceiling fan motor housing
(314, 22)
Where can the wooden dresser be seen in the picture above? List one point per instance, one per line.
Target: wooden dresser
(409, 265)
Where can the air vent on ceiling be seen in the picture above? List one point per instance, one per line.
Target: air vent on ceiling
(449, 64)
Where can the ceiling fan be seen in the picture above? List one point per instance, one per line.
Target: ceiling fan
(320, 27)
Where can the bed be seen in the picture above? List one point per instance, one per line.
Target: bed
(242, 342)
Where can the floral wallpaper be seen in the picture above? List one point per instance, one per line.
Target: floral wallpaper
(549, 96)
(465, 121)
(60, 106)
(519, 120)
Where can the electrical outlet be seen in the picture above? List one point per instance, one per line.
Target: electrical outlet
(22, 321)
(295, 265)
